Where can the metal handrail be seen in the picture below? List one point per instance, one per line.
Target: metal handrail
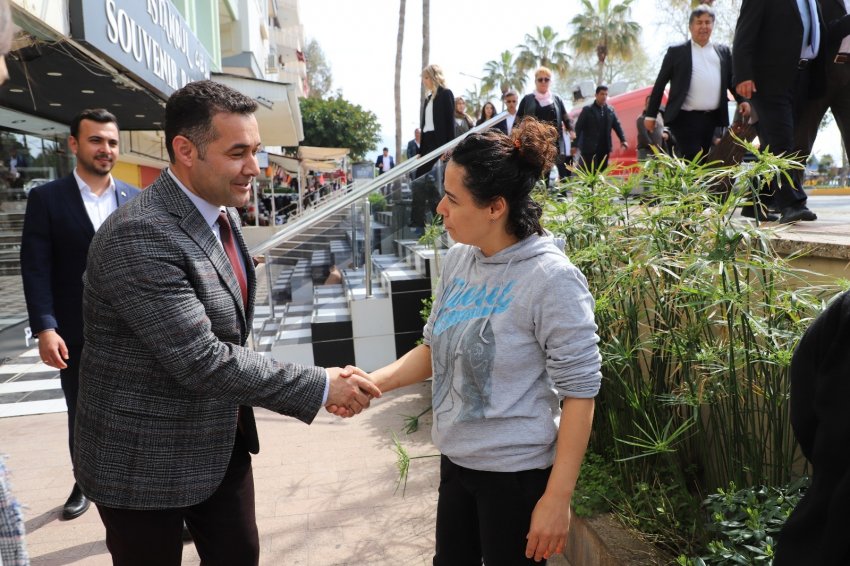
(301, 224)
(305, 221)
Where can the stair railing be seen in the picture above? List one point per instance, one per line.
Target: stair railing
(307, 220)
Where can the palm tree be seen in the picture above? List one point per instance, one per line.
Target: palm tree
(543, 50)
(398, 45)
(606, 30)
(503, 74)
(426, 42)
(475, 99)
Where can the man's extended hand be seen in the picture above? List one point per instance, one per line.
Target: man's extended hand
(52, 349)
(350, 391)
(649, 124)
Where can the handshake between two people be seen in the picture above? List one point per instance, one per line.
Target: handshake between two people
(351, 390)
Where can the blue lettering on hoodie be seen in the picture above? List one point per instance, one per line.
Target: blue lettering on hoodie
(466, 302)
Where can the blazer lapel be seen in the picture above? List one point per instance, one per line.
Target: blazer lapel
(724, 68)
(122, 196)
(197, 228)
(76, 207)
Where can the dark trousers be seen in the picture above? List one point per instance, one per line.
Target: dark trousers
(598, 160)
(224, 527)
(694, 132)
(562, 161)
(779, 113)
(485, 515)
(429, 144)
(70, 380)
(835, 95)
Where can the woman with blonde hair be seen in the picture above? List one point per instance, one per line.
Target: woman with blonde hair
(548, 107)
(437, 123)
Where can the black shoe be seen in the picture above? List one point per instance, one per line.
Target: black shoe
(761, 214)
(76, 505)
(797, 213)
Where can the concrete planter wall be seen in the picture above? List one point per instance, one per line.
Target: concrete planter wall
(602, 541)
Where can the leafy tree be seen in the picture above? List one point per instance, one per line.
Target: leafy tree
(319, 77)
(605, 29)
(543, 49)
(826, 163)
(503, 74)
(637, 71)
(335, 122)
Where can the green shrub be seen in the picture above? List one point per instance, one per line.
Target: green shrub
(743, 524)
(698, 317)
(377, 201)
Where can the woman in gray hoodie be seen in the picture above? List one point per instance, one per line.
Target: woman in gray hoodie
(511, 343)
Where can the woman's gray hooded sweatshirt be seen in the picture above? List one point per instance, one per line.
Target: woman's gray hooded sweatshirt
(510, 335)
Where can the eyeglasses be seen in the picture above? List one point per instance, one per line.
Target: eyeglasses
(543, 79)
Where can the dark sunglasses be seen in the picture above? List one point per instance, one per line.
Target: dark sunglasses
(543, 79)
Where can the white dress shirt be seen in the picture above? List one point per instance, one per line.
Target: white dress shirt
(704, 92)
(811, 29)
(100, 207)
(429, 116)
(509, 121)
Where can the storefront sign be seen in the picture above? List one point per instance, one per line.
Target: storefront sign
(148, 38)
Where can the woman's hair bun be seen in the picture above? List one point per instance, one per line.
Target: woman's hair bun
(536, 143)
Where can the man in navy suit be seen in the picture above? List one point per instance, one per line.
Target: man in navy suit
(385, 162)
(700, 74)
(61, 219)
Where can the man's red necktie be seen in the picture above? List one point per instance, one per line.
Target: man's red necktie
(227, 241)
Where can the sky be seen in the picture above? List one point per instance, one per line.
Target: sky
(358, 38)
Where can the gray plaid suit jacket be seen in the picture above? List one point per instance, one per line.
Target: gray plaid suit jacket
(164, 368)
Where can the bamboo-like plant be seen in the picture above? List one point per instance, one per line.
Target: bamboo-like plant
(698, 318)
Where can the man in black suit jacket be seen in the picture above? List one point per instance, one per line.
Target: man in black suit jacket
(593, 131)
(816, 531)
(700, 74)
(775, 47)
(61, 219)
(832, 84)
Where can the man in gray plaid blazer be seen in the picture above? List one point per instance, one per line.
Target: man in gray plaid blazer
(164, 425)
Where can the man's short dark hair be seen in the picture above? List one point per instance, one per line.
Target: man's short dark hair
(386, 149)
(189, 112)
(701, 10)
(510, 92)
(600, 88)
(99, 115)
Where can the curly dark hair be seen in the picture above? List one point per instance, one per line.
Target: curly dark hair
(189, 112)
(495, 165)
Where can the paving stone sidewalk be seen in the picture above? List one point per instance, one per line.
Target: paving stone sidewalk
(326, 493)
